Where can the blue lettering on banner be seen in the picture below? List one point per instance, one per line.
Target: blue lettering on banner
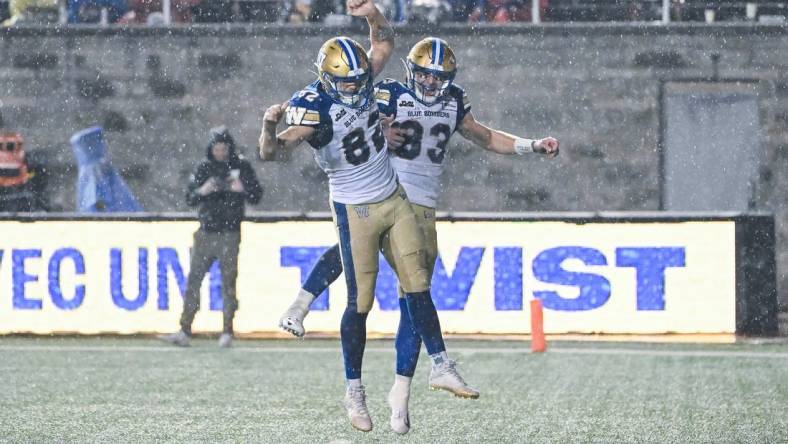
(168, 260)
(508, 272)
(594, 289)
(448, 292)
(55, 291)
(650, 264)
(19, 278)
(451, 292)
(116, 279)
(304, 258)
(215, 286)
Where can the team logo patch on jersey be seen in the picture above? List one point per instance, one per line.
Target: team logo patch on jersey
(406, 103)
(297, 115)
(362, 211)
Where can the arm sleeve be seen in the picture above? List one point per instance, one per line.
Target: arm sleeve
(304, 109)
(385, 97)
(463, 103)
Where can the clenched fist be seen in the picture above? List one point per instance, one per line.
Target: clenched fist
(395, 136)
(274, 114)
(548, 145)
(360, 8)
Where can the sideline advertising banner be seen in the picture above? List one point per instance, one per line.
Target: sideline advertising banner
(617, 278)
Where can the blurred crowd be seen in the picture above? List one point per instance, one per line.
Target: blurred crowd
(332, 12)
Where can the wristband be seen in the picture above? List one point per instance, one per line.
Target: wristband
(523, 146)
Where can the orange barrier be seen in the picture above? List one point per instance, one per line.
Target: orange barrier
(538, 342)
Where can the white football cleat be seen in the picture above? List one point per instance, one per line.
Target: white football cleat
(178, 338)
(293, 322)
(225, 340)
(355, 403)
(400, 419)
(444, 376)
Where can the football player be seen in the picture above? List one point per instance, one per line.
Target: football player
(337, 115)
(426, 110)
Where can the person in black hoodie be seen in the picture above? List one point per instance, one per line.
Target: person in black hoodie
(220, 187)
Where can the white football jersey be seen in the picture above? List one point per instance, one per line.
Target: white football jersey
(419, 161)
(349, 146)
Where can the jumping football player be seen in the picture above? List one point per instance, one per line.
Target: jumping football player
(427, 109)
(338, 117)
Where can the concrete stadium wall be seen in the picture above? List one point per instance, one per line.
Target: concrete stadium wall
(595, 87)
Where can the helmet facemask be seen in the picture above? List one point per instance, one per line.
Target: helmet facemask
(354, 91)
(433, 87)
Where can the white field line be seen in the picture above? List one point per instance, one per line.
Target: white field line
(455, 350)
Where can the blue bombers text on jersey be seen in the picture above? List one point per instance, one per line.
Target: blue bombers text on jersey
(349, 145)
(419, 161)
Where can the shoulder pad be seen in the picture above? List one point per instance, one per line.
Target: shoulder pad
(304, 107)
(387, 90)
(390, 85)
(459, 93)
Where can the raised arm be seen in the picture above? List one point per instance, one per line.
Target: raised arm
(502, 142)
(381, 35)
(270, 142)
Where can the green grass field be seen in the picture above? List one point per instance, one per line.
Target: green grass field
(138, 390)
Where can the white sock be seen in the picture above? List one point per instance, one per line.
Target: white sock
(401, 385)
(353, 383)
(304, 300)
(439, 358)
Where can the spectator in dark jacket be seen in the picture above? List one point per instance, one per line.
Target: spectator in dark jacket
(220, 186)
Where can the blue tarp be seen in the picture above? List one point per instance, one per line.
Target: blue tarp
(99, 187)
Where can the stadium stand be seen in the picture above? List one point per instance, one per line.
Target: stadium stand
(651, 10)
(268, 11)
